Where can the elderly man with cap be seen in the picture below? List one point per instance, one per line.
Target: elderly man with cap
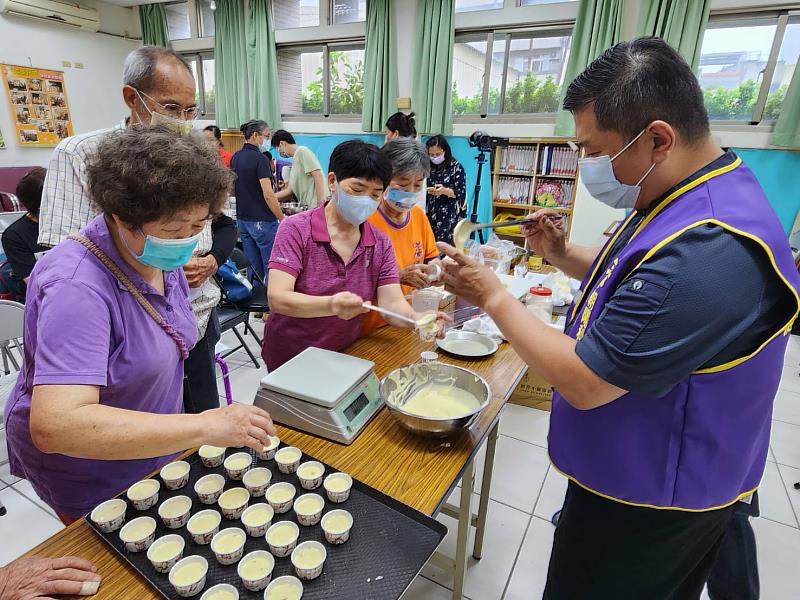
(673, 349)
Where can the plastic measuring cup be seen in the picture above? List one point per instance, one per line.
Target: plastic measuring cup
(426, 304)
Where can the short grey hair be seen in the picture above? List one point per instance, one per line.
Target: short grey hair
(140, 66)
(407, 155)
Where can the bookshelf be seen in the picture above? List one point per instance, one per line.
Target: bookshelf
(533, 173)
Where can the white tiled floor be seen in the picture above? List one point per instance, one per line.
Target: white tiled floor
(525, 493)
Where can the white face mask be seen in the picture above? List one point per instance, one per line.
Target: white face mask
(598, 177)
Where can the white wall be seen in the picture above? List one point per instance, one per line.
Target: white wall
(93, 93)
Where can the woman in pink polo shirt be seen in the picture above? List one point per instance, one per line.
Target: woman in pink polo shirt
(326, 261)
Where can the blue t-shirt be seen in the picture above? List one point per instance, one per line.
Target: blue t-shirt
(704, 299)
(251, 167)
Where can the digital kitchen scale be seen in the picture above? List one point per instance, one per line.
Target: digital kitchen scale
(325, 393)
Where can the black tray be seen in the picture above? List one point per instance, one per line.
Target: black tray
(389, 543)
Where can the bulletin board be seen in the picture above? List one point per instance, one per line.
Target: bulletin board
(38, 102)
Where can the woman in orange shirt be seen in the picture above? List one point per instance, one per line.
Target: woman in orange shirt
(213, 133)
(400, 216)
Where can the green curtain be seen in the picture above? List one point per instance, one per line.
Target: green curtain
(598, 27)
(787, 128)
(262, 64)
(680, 23)
(434, 66)
(155, 31)
(380, 65)
(230, 64)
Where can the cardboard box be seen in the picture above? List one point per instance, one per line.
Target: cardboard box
(533, 391)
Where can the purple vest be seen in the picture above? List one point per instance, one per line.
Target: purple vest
(704, 444)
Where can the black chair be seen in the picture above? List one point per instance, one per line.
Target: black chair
(231, 314)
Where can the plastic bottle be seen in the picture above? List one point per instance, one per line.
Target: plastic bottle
(540, 302)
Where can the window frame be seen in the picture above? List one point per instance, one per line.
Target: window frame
(200, 56)
(331, 6)
(779, 18)
(326, 45)
(188, 4)
(492, 34)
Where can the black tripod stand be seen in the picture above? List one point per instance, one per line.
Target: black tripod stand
(478, 235)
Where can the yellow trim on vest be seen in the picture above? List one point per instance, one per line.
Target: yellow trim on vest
(679, 192)
(678, 508)
(759, 241)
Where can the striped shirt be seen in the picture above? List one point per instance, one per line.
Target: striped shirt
(67, 208)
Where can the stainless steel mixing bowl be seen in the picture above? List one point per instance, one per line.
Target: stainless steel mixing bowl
(395, 390)
(291, 208)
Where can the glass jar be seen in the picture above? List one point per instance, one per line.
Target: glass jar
(540, 302)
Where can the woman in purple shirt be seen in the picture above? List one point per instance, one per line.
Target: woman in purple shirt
(98, 403)
(327, 261)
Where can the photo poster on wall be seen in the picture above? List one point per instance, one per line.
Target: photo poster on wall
(2, 142)
(38, 103)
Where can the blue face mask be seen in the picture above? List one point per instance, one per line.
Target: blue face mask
(265, 145)
(403, 200)
(164, 254)
(354, 209)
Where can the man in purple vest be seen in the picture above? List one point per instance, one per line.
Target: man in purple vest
(673, 349)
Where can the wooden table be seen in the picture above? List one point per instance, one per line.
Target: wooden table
(418, 471)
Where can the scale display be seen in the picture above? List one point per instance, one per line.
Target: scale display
(324, 393)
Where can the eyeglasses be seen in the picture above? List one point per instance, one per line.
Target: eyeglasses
(174, 110)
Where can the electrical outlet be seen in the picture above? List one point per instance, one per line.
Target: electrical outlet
(78, 65)
(66, 63)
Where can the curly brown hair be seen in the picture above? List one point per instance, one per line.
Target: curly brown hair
(144, 174)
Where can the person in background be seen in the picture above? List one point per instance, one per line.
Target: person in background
(214, 135)
(20, 239)
(400, 125)
(305, 176)
(327, 261)
(403, 221)
(98, 403)
(159, 89)
(258, 211)
(39, 578)
(446, 203)
(672, 355)
(272, 164)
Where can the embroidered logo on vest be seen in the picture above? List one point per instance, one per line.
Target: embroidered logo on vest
(587, 311)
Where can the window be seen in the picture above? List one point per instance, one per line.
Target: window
(473, 5)
(525, 72)
(205, 92)
(532, 2)
(325, 79)
(290, 14)
(348, 11)
(205, 13)
(746, 65)
(178, 20)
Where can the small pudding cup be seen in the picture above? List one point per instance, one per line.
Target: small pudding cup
(162, 560)
(228, 545)
(203, 526)
(268, 453)
(308, 509)
(255, 570)
(257, 519)
(280, 496)
(221, 591)
(277, 590)
(288, 459)
(211, 456)
(236, 465)
(175, 511)
(336, 525)
(311, 474)
(189, 587)
(209, 488)
(144, 494)
(305, 569)
(110, 515)
(138, 534)
(337, 487)
(257, 481)
(175, 474)
(282, 538)
(224, 591)
(233, 502)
